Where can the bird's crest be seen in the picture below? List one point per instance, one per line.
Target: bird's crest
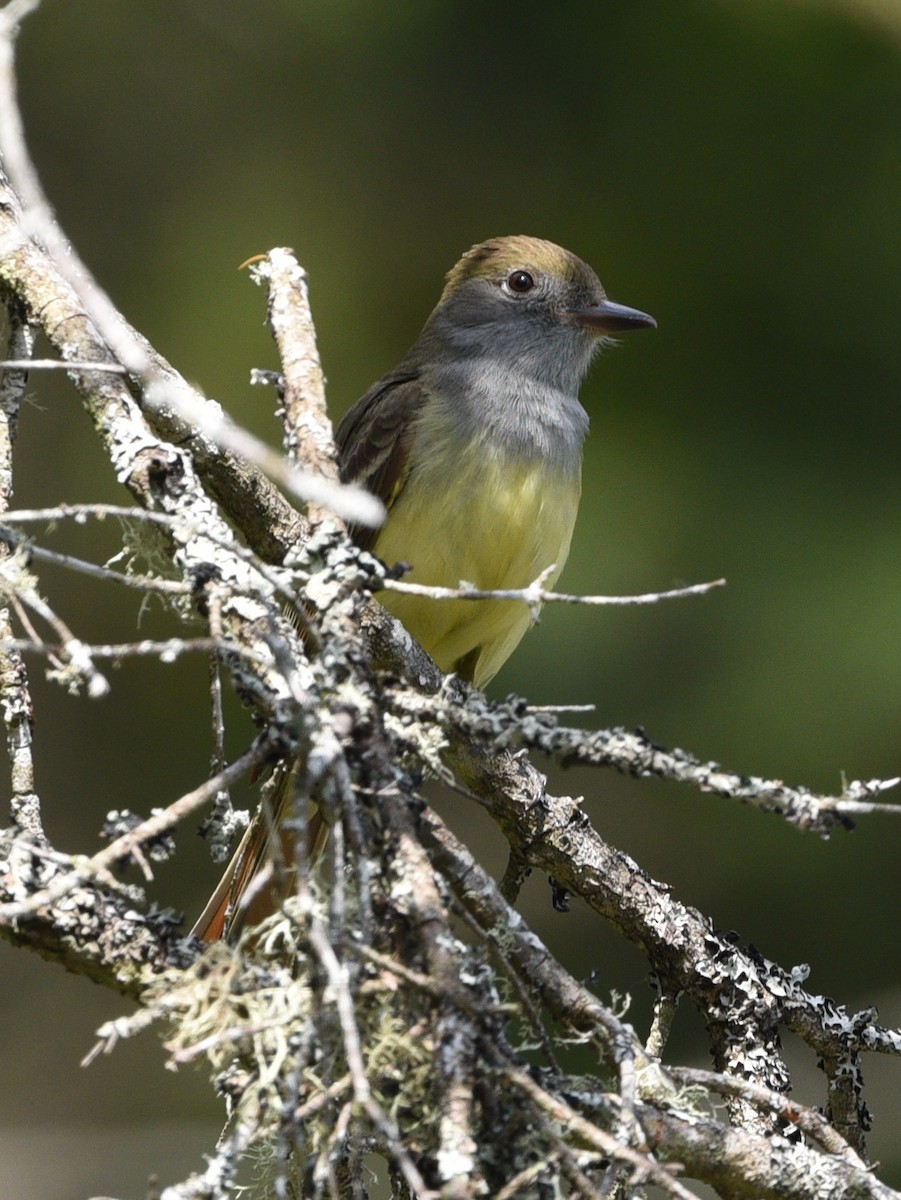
(500, 255)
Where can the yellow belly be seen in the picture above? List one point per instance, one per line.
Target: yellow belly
(499, 526)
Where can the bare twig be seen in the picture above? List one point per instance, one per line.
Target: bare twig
(76, 668)
(124, 846)
(308, 430)
(178, 525)
(163, 390)
(164, 650)
(808, 1120)
(338, 982)
(535, 595)
(143, 583)
(642, 1165)
(57, 364)
(348, 501)
(217, 1181)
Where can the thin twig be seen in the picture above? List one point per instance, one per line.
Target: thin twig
(535, 594)
(279, 578)
(161, 390)
(348, 501)
(58, 364)
(167, 650)
(338, 983)
(566, 1116)
(144, 583)
(79, 512)
(525, 1178)
(77, 666)
(161, 822)
(808, 1120)
(308, 431)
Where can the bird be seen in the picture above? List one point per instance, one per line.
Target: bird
(473, 443)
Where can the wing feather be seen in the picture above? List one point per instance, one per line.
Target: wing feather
(374, 440)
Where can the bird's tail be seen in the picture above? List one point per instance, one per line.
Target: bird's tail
(263, 869)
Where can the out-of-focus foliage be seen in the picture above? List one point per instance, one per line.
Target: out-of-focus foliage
(733, 168)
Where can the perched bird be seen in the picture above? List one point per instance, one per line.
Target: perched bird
(474, 444)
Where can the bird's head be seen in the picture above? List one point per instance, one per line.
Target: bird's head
(528, 303)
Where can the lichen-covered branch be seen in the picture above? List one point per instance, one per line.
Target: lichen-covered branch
(395, 1007)
(98, 929)
(15, 696)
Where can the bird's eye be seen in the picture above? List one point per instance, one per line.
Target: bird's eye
(520, 282)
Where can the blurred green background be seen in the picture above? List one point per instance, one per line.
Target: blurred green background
(733, 168)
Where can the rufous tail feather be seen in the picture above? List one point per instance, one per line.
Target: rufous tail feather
(245, 896)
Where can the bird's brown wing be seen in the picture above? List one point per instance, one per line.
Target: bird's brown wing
(374, 441)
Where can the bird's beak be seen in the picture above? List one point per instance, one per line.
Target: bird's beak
(608, 317)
